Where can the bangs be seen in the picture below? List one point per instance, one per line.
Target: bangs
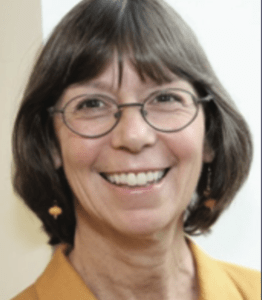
(155, 41)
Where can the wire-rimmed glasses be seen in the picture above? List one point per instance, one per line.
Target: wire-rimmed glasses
(95, 115)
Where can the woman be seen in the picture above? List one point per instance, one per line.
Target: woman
(131, 144)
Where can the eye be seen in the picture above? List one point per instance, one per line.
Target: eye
(90, 103)
(89, 106)
(167, 98)
(174, 100)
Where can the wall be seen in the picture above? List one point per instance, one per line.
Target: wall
(230, 34)
(23, 248)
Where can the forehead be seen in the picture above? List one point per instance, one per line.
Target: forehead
(108, 81)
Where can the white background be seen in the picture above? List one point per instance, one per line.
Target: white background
(229, 31)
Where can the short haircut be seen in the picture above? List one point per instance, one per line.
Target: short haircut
(155, 39)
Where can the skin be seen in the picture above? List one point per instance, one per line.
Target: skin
(129, 243)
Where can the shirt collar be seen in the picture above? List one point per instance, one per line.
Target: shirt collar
(213, 281)
(61, 281)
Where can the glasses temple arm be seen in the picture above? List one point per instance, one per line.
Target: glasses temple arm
(52, 110)
(209, 97)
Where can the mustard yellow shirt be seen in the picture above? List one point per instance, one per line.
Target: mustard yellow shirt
(217, 280)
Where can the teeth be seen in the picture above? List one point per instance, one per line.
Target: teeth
(116, 179)
(111, 178)
(131, 179)
(123, 178)
(141, 179)
(150, 176)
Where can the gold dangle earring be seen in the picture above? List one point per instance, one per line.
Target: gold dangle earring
(209, 203)
(55, 210)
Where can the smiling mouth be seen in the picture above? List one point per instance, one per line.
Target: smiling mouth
(141, 179)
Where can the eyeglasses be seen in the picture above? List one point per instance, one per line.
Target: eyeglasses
(94, 115)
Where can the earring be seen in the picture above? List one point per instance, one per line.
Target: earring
(209, 203)
(55, 210)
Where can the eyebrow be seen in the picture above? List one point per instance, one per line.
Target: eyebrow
(152, 87)
(106, 87)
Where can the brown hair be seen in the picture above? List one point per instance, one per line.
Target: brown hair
(155, 38)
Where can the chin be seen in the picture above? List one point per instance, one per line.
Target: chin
(144, 222)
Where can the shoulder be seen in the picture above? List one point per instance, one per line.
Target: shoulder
(247, 280)
(28, 294)
(222, 280)
(58, 281)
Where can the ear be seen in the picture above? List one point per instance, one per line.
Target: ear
(57, 160)
(208, 152)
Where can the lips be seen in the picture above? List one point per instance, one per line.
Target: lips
(135, 179)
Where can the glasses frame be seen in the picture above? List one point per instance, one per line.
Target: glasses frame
(52, 110)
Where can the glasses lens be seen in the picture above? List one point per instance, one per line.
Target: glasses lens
(170, 110)
(95, 115)
(90, 115)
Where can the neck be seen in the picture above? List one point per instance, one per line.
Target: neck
(115, 266)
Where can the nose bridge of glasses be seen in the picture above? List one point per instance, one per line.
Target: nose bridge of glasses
(130, 105)
(126, 105)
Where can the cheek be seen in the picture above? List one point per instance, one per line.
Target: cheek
(77, 152)
(187, 148)
(188, 144)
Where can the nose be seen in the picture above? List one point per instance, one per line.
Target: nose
(132, 133)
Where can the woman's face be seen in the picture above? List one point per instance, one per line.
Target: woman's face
(132, 147)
